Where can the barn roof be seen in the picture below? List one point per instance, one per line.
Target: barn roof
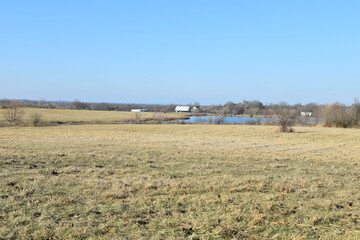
(182, 108)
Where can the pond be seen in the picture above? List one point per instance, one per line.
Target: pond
(235, 120)
(227, 120)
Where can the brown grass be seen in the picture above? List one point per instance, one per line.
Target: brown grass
(179, 182)
(71, 116)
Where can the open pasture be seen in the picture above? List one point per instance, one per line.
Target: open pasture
(179, 182)
(71, 116)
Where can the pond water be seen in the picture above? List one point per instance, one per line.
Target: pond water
(234, 120)
(227, 120)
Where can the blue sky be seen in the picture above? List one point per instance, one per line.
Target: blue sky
(181, 51)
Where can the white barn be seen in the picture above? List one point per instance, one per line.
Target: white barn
(182, 109)
(140, 110)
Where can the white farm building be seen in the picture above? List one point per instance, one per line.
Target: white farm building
(306, 114)
(140, 110)
(182, 109)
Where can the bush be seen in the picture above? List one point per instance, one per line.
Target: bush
(338, 115)
(286, 116)
(36, 119)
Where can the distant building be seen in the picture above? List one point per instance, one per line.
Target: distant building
(306, 114)
(182, 109)
(195, 109)
(140, 110)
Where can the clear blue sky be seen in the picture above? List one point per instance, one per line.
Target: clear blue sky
(181, 51)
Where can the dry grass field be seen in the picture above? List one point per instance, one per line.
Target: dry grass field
(71, 116)
(179, 182)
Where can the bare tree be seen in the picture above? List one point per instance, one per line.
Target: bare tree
(42, 103)
(286, 117)
(13, 113)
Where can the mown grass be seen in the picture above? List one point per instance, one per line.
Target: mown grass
(179, 182)
(71, 116)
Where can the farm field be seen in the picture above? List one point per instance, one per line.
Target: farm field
(70, 116)
(179, 182)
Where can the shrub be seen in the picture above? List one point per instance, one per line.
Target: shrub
(286, 117)
(338, 115)
(13, 113)
(36, 119)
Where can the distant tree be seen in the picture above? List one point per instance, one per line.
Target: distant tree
(238, 109)
(286, 116)
(356, 112)
(42, 103)
(195, 104)
(76, 104)
(228, 108)
(252, 111)
(253, 107)
(13, 112)
(311, 107)
(169, 108)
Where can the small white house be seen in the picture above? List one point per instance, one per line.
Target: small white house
(182, 109)
(140, 110)
(306, 114)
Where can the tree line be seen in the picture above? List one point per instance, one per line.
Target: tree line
(80, 105)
